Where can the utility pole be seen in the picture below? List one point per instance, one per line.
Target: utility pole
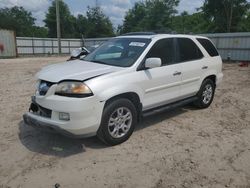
(58, 26)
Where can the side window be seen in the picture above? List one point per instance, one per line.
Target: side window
(188, 50)
(209, 47)
(163, 49)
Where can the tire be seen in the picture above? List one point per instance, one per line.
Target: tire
(118, 122)
(205, 94)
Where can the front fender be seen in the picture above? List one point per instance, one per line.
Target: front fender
(118, 90)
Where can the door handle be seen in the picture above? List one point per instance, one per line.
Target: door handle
(205, 67)
(177, 73)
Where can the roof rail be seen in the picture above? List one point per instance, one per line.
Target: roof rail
(139, 33)
(155, 32)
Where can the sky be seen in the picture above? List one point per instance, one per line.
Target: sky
(115, 9)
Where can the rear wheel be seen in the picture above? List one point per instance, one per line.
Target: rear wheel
(206, 94)
(118, 122)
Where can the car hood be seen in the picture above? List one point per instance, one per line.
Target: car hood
(74, 70)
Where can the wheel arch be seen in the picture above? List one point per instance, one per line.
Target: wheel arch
(211, 77)
(132, 96)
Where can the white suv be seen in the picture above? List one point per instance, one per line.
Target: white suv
(126, 78)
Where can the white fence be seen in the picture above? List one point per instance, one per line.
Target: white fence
(233, 46)
(49, 46)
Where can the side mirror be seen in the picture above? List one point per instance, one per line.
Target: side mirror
(151, 63)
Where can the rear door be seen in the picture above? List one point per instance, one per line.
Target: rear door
(212, 62)
(191, 59)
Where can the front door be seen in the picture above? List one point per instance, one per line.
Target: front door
(161, 85)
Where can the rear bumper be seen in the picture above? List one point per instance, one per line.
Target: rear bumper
(219, 78)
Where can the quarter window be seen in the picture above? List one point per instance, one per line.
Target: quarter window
(188, 50)
(163, 49)
(209, 47)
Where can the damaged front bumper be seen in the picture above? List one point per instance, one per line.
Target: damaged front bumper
(85, 115)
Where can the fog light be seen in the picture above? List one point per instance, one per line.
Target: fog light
(64, 116)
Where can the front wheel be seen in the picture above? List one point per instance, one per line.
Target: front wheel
(206, 94)
(118, 122)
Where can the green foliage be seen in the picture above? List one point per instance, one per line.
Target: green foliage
(225, 15)
(40, 32)
(159, 14)
(244, 25)
(194, 23)
(213, 16)
(150, 15)
(134, 19)
(16, 19)
(67, 21)
(98, 24)
(81, 26)
(95, 24)
(21, 21)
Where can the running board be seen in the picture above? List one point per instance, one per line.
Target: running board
(168, 106)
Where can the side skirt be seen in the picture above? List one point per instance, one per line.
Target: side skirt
(168, 106)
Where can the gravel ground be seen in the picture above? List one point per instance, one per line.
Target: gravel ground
(181, 148)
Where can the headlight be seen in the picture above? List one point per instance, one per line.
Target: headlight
(73, 89)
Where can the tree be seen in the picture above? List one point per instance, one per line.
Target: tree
(134, 19)
(81, 26)
(225, 15)
(150, 15)
(244, 25)
(67, 21)
(190, 23)
(40, 32)
(21, 21)
(94, 24)
(98, 24)
(159, 14)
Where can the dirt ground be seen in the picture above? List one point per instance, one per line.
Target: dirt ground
(183, 148)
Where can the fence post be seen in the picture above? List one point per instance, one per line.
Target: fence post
(69, 46)
(32, 42)
(44, 49)
(52, 45)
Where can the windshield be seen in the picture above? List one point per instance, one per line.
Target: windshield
(122, 52)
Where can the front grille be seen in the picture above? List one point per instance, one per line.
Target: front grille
(44, 87)
(44, 112)
(39, 110)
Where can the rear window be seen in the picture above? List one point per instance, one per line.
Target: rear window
(209, 47)
(188, 51)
